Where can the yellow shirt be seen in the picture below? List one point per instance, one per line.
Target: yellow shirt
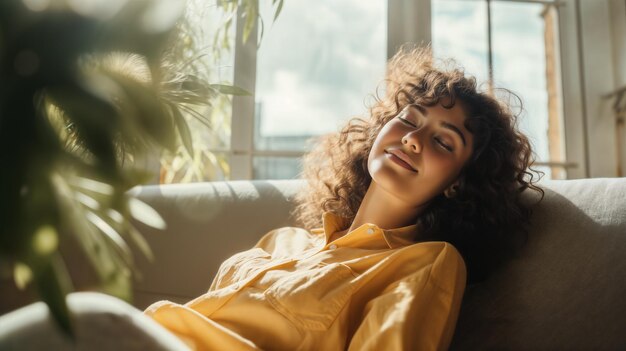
(371, 289)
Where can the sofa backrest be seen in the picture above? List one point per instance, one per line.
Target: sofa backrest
(206, 224)
(565, 291)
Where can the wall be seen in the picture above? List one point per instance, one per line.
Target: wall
(618, 32)
(601, 41)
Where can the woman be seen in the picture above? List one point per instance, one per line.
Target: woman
(417, 200)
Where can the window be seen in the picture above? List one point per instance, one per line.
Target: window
(305, 87)
(205, 45)
(511, 44)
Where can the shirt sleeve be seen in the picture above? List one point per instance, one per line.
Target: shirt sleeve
(418, 311)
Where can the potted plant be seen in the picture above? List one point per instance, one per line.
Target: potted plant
(87, 87)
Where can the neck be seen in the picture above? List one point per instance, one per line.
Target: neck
(379, 207)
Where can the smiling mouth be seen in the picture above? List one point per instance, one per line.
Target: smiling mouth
(399, 161)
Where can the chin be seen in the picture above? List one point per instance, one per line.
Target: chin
(389, 180)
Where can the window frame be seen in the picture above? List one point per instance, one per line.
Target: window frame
(410, 21)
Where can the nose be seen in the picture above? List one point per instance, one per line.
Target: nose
(412, 140)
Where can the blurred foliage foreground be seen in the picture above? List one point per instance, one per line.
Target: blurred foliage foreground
(84, 85)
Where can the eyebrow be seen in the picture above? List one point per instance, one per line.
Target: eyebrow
(444, 124)
(454, 128)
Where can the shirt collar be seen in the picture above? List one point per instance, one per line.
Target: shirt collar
(394, 238)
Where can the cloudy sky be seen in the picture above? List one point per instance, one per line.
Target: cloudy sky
(320, 62)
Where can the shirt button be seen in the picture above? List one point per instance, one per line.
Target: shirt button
(236, 286)
(370, 231)
(332, 247)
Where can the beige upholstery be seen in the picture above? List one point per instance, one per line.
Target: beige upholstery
(207, 223)
(100, 323)
(567, 290)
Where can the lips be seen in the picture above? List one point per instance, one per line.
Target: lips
(400, 158)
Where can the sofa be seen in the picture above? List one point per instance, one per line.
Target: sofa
(565, 291)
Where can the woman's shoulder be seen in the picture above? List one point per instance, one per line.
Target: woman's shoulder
(446, 264)
(435, 248)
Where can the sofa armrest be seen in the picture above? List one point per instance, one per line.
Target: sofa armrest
(100, 322)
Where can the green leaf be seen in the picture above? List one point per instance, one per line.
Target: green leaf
(183, 129)
(112, 234)
(53, 284)
(195, 114)
(230, 90)
(74, 220)
(224, 165)
(140, 241)
(45, 240)
(262, 27)
(93, 117)
(91, 185)
(198, 86)
(142, 212)
(116, 217)
(278, 9)
(144, 113)
(119, 284)
(87, 201)
(250, 14)
(227, 26)
(22, 274)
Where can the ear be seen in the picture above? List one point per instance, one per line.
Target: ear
(451, 191)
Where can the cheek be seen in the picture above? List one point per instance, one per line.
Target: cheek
(441, 167)
(374, 161)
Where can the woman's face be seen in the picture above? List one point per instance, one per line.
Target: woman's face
(420, 152)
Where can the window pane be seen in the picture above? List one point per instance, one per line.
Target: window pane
(315, 67)
(208, 44)
(203, 48)
(459, 31)
(524, 56)
(525, 61)
(276, 167)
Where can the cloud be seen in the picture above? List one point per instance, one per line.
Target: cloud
(459, 31)
(293, 108)
(319, 63)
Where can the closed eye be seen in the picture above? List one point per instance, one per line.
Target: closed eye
(444, 145)
(407, 122)
(437, 140)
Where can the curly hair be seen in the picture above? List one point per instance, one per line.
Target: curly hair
(487, 219)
